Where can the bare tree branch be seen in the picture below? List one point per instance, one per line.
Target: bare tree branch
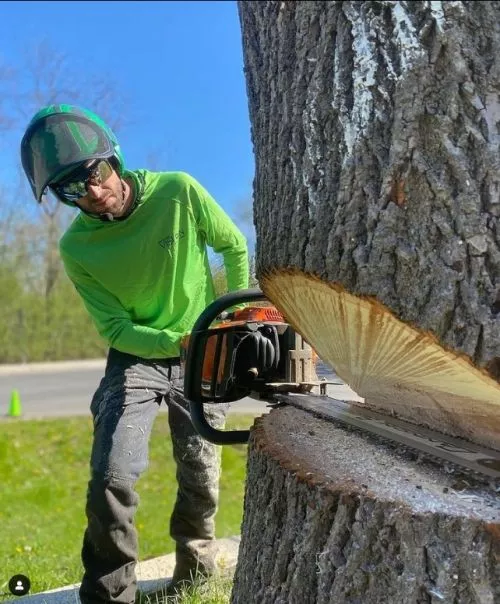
(49, 76)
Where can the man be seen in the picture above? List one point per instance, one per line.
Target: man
(137, 255)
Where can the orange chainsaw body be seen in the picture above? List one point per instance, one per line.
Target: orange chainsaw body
(219, 339)
(252, 314)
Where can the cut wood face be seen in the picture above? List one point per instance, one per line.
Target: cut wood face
(394, 366)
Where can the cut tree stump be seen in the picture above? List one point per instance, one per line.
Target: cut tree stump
(333, 516)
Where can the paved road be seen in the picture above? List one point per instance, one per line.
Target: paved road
(46, 391)
(65, 389)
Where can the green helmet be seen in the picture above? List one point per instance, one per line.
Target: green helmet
(59, 138)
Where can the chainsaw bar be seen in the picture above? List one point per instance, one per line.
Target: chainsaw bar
(472, 457)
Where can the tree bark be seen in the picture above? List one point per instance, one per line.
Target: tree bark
(375, 128)
(332, 518)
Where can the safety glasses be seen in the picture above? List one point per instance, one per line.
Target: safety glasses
(75, 186)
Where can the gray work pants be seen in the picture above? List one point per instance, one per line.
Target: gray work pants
(124, 408)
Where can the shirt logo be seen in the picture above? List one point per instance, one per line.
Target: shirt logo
(169, 241)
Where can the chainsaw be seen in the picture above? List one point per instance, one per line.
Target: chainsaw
(242, 346)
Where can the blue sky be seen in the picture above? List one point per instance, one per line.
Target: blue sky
(180, 66)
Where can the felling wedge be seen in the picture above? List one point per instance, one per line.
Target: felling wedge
(396, 368)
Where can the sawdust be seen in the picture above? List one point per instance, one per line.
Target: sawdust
(338, 458)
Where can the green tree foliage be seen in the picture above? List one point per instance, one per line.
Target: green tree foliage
(38, 326)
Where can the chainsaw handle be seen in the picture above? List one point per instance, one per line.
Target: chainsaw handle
(194, 364)
(213, 310)
(213, 435)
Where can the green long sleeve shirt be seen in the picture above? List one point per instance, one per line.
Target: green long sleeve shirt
(146, 279)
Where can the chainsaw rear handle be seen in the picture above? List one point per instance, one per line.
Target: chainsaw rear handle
(194, 366)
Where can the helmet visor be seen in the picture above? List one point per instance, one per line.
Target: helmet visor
(58, 143)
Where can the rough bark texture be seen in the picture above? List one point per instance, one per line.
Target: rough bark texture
(331, 517)
(376, 135)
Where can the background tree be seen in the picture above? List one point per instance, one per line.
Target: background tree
(44, 317)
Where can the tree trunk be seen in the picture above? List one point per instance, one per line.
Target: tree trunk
(376, 134)
(332, 518)
(375, 128)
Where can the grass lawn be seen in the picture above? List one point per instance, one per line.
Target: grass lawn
(44, 469)
(217, 590)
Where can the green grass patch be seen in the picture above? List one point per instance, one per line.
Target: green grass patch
(217, 590)
(44, 469)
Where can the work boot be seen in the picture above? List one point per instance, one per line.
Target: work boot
(190, 568)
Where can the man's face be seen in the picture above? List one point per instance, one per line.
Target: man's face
(95, 187)
(104, 195)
